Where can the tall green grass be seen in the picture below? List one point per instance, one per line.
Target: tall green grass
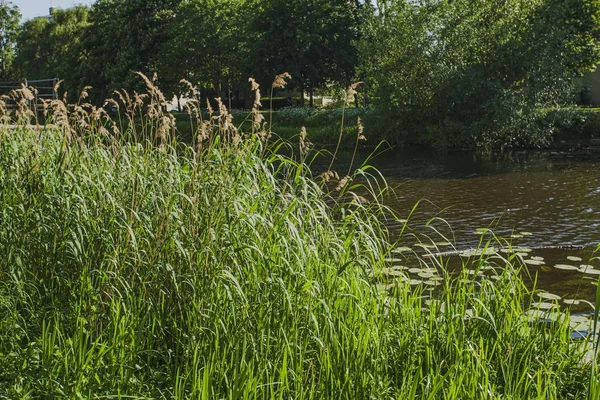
(226, 270)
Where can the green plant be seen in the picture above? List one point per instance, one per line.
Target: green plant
(136, 266)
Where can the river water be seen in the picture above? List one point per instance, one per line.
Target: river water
(545, 201)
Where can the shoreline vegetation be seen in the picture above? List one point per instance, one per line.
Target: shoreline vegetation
(570, 126)
(436, 73)
(136, 266)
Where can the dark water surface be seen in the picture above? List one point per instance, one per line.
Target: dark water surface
(532, 199)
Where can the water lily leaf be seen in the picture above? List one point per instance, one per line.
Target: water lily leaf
(537, 258)
(391, 272)
(543, 306)
(391, 260)
(516, 236)
(526, 233)
(481, 231)
(414, 282)
(517, 249)
(424, 245)
(534, 262)
(432, 283)
(573, 258)
(425, 275)
(545, 268)
(415, 270)
(542, 314)
(580, 319)
(566, 267)
(548, 296)
(571, 302)
(579, 334)
(588, 269)
(478, 252)
(402, 249)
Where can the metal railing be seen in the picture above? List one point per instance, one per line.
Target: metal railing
(45, 89)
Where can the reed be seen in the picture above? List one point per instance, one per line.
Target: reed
(135, 266)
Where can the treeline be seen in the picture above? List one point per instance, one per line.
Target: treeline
(444, 72)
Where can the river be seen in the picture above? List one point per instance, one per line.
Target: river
(545, 201)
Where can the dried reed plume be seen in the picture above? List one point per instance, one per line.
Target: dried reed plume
(351, 92)
(257, 117)
(305, 144)
(359, 137)
(280, 81)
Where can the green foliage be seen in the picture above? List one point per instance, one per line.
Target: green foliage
(226, 270)
(49, 50)
(458, 73)
(207, 43)
(312, 40)
(9, 28)
(573, 124)
(125, 37)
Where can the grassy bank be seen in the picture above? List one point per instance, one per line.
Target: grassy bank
(322, 125)
(225, 270)
(575, 125)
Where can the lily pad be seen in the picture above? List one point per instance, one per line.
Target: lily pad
(526, 233)
(543, 306)
(579, 334)
(590, 271)
(478, 252)
(424, 245)
(537, 258)
(481, 231)
(579, 319)
(571, 302)
(517, 249)
(391, 272)
(391, 260)
(566, 267)
(548, 296)
(573, 258)
(402, 249)
(534, 262)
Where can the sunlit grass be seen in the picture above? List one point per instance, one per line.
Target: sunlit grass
(132, 269)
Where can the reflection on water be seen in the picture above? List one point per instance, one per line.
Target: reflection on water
(552, 197)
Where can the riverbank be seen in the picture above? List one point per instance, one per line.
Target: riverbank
(570, 127)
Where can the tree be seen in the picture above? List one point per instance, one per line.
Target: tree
(313, 40)
(125, 37)
(455, 72)
(207, 45)
(52, 49)
(9, 28)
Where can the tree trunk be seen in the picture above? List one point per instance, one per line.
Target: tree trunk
(229, 95)
(302, 95)
(312, 95)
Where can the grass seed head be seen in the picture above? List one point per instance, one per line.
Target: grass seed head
(280, 80)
